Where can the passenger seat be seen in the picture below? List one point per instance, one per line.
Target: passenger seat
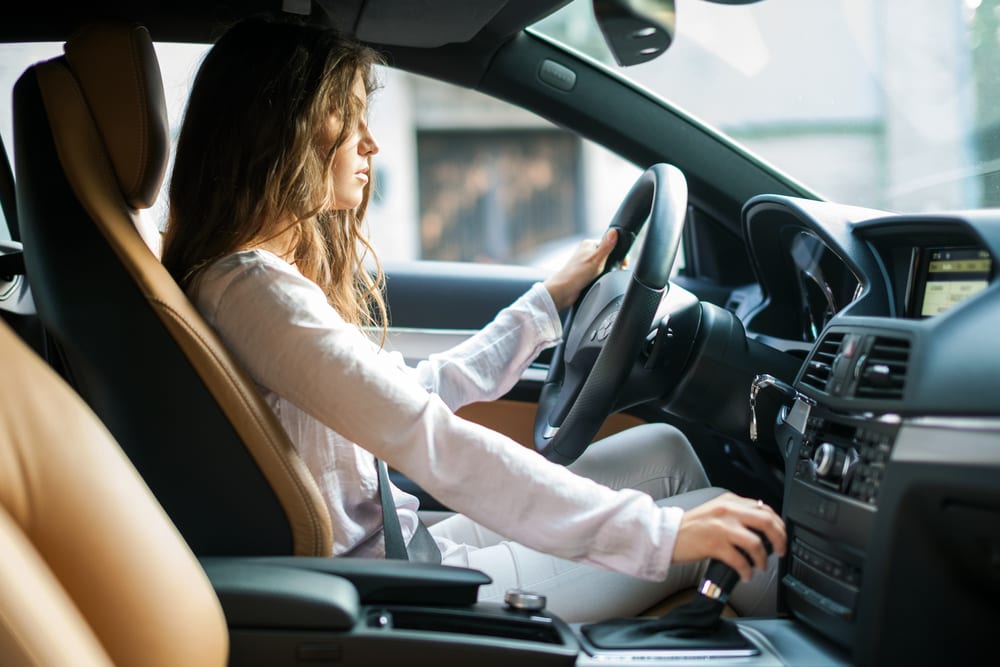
(92, 571)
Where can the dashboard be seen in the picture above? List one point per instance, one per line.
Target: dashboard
(891, 439)
(889, 312)
(836, 256)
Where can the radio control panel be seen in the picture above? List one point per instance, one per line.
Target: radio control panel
(831, 500)
(845, 455)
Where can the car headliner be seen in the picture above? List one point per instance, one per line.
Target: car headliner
(424, 24)
(461, 35)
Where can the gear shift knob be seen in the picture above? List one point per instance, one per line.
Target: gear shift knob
(720, 579)
(697, 623)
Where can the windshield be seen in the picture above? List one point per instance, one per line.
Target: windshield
(892, 104)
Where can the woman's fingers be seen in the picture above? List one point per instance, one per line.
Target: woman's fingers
(736, 559)
(583, 267)
(730, 528)
(592, 254)
(752, 546)
(607, 244)
(762, 518)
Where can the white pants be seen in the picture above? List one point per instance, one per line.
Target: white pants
(654, 458)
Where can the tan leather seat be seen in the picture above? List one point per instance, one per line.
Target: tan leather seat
(92, 572)
(91, 146)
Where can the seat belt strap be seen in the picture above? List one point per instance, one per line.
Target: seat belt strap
(394, 545)
(422, 547)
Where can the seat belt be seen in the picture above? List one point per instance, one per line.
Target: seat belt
(422, 547)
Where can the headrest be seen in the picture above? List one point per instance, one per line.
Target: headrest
(116, 67)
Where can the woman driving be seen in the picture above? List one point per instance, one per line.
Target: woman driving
(267, 201)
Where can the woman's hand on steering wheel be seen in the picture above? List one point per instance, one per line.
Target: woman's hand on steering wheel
(582, 268)
(723, 528)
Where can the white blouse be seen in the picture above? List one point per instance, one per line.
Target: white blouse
(342, 400)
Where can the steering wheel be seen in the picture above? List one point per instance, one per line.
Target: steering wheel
(610, 322)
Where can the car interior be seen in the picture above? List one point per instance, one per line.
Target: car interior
(155, 512)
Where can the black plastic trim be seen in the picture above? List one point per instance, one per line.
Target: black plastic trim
(377, 581)
(263, 595)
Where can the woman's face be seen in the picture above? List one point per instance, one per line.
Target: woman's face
(351, 161)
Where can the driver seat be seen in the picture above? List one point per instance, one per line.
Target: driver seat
(91, 146)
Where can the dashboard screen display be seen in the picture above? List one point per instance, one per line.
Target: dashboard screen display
(950, 276)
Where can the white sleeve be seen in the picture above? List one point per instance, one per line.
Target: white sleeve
(489, 363)
(280, 326)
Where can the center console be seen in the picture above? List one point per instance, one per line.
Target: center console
(302, 611)
(893, 520)
(831, 502)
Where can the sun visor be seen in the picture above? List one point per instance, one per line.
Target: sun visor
(426, 24)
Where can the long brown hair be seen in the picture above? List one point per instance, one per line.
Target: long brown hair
(249, 155)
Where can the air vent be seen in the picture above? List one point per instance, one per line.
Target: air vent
(821, 364)
(883, 375)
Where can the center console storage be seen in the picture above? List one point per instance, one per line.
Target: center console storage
(295, 611)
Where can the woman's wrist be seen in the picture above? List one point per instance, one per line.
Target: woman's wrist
(559, 293)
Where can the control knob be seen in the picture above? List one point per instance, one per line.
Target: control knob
(831, 462)
(833, 465)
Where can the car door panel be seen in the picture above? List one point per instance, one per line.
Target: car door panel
(452, 295)
(434, 306)
(516, 419)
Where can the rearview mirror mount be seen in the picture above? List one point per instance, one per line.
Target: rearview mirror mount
(636, 31)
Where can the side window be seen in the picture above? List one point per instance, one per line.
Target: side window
(178, 63)
(460, 176)
(14, 59)
(463, 177)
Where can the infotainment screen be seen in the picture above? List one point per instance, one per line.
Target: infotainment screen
(948, 276)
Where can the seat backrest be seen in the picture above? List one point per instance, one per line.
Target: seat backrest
(92, 572)
(90, 151)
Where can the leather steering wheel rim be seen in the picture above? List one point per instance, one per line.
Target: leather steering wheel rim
(575, 401)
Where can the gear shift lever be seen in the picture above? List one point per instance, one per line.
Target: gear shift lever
(694, 625)
(720, 579)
